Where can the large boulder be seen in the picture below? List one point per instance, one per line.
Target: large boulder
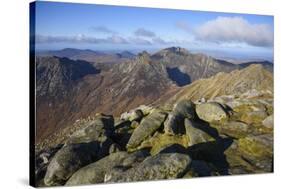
(99, 129)
(133, 115)
(254, 117)
(161, 166)
(211, 112)
(174, 124)
(258, 151)
(95, 172)
(42, 160)
(68, 160)
(196, 135)
(235, 129)
(184, 108)
(147, 127)
(256, 147)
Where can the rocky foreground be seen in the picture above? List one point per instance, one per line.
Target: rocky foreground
(226, 135)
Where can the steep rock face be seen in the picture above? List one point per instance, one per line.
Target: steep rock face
(55, 76)
(193, 66)
(56, 79)
(69, 90)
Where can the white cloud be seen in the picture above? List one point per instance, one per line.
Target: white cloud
(235, 29)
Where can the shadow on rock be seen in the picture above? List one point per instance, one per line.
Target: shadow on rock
(213, 153)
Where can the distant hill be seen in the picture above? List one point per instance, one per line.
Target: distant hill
(90, 55)
(266, 64)
(126, 54)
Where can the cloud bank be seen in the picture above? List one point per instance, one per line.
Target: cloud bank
(235, 29)
(113, 39)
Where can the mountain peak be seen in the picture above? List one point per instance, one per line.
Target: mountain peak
(171, 50)
(144, 57)
(179, 50)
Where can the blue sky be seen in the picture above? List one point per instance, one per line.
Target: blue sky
(98, 27)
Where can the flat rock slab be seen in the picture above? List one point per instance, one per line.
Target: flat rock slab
(161, 166)
(95, 172)
(196, 135)
(146, 128)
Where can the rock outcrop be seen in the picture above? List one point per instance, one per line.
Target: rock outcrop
(95, 172)
(161, 166)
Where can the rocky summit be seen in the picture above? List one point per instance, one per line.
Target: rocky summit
(215, 138)
(134, 123)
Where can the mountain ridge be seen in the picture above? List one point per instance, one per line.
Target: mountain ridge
(116, 88)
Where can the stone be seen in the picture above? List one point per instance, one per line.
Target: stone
(235, 129)
(160, 166)
(68, 160)
(258, 151)
(133, 115)
(122, 126)
(145, 109)
(254, 117)
(147, 127)
(42, 161)
(97, 130)
(174, 124)
(95, 172)
(268, 122)
(134, 124)
(184, 108)
(260, 146)
(211, 112)
(196, 135)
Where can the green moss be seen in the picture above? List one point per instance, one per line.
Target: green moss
(160, 141)
(252, 147)
(253, 117)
